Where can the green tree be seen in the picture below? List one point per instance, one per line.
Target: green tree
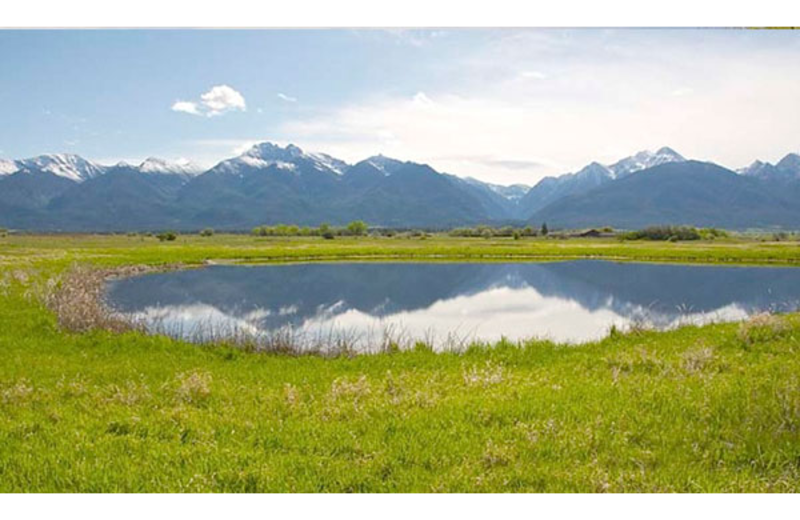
(357, 228)
(207, 232)
(544, 230)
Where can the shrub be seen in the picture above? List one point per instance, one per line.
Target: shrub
(517, 235)
(207, 232)
(544, 231)
(76, 298)
(3, 232)
(712, 233)
(328, 235)
(167, 236)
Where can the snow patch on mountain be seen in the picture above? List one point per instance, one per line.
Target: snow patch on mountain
(643, 160)
(326, 162)
(256, 162)
(181, 167)
(383, 164)
(66, 165)
(290, 158)
(8, 167)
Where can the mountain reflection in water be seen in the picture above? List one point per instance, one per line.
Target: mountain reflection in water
(443, 303)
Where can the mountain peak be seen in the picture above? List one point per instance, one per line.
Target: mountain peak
(158, 165)
(787, 168)
(790, 163)
(385, 165)
(289, 157)
(645, 159)
(666, 150)
(70, 166)
(268, 151)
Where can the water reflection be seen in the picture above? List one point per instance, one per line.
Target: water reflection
(448, 303)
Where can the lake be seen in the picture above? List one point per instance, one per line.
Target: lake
(445, 304)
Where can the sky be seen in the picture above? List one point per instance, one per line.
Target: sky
(505, 106)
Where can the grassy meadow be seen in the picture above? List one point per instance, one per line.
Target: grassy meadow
(698, 409)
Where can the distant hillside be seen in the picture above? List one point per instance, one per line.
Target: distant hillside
(690, 192)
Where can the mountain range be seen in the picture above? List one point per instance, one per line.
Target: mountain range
(270, 184)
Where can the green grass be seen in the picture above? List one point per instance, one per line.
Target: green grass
(713, 408)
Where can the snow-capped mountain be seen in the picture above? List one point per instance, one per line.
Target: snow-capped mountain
(550, 189)
(643, 160)
(156, 165)
(69, 166)
(290, 158)
(787, 168)
(8, 167)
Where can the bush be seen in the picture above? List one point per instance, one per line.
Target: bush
(357, 228)
(712, 233)
(3, 232)
(207, 232)
(328, 235)
(167, 236)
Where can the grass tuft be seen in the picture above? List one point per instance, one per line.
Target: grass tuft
(763, 328)
(194, 387)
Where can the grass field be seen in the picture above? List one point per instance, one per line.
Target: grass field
(713, 408)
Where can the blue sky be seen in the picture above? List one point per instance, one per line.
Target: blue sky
(501, 105)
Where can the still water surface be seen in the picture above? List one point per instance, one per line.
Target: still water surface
(447, 304)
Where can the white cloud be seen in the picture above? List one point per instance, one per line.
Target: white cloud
(219, 100)
(288, 99)
(188, 107)
(222, 98)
